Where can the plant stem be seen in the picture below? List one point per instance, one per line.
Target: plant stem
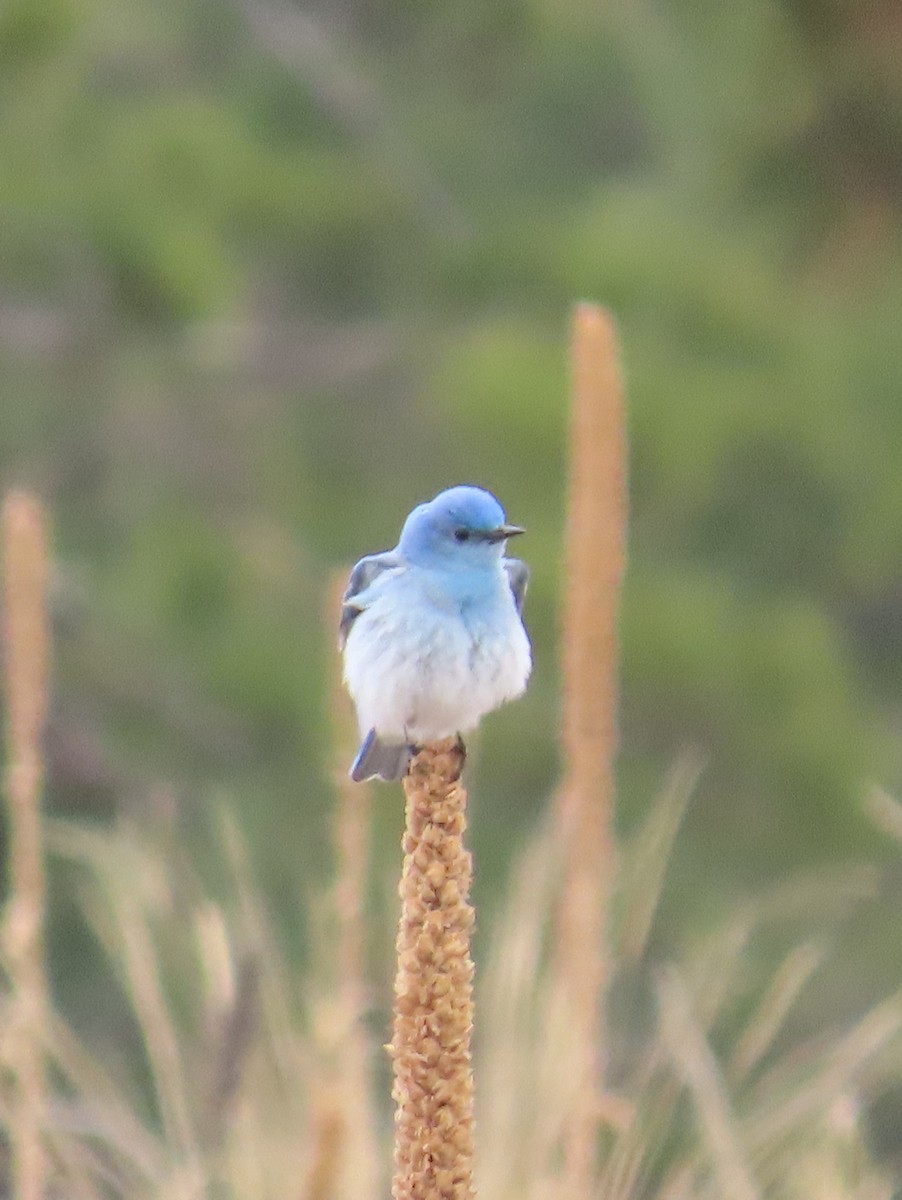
(433, 1020)
(596, 535)
(26, 640)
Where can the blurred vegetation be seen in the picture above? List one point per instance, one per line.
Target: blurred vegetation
(251, 1075)
(271, 274)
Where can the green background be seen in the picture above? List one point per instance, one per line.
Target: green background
(271, 275)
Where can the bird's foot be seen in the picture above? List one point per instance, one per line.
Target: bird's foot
(457, 749)
(460, 751)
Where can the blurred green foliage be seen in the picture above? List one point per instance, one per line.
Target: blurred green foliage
(271, 274)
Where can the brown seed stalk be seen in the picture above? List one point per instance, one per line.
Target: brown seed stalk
(595, 551)
(26, 649)
(433, 1019)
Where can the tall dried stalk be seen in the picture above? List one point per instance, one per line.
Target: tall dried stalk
(26, 645)
(433, 1020)
(348, 1096)
(595, 549)
(330, 1129)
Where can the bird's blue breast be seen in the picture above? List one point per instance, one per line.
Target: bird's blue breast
(469, 594)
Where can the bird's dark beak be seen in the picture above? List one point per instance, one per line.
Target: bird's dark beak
(503, 532)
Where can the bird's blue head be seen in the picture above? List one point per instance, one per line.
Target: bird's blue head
(463, 524)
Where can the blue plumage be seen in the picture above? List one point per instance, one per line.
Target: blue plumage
(432, 631)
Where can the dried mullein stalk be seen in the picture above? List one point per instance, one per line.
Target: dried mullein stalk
(26, 651)
(433, 1079)
(595, 549)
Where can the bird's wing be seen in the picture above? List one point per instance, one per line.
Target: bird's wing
(354, 600)
(518, 578)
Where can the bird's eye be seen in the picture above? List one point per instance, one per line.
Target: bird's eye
(461, 535)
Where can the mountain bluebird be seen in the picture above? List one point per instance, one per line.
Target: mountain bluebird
(431, 631)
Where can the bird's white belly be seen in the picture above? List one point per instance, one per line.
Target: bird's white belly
(428, 675)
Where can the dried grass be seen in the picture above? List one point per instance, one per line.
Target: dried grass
(689, 1120)
(232, 1073)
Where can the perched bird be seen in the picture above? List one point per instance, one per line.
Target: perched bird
(432, 631)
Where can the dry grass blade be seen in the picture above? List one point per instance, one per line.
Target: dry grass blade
(768, 1018)
(98, 1115)
(26, 651)
(231, 1044)
(595, 551)
(132, 884)
(886, 812)
(523, 1093)
(786, 1102)
(641, 876)
(833, 1162)
(245, 1069)
(640, 1142)
(825, 892)
(695, 1064)
(713, 971)
(148, 997)
(292, 1060)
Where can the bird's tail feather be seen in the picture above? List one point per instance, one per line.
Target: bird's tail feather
(381, 760)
